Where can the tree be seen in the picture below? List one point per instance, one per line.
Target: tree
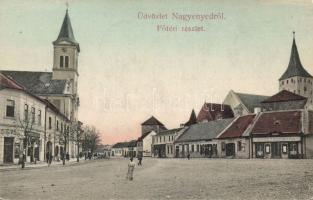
(26, 125)
(76, 134)
(91, 139)
(64, 137)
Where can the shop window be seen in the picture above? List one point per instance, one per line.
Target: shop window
(267, 149)
(239, 146)
(198, 148)
(215, 149)
(17, 150)
(259, 150)
(192, 148)
(293, 149)
(10, 108)
(223, 146)
(284, 148)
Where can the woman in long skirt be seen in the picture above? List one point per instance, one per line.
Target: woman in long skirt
(131, 167)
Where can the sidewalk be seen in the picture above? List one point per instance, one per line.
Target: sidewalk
(39, 164)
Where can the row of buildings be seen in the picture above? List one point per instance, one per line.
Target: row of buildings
(38, 113)
(244, 126)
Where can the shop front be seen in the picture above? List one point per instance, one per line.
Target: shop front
(277, 147)
(159, 150)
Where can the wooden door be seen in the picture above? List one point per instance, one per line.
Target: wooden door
(276, 150)
(8, 150)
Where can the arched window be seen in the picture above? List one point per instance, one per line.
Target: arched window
(61, 61)
(66, 61)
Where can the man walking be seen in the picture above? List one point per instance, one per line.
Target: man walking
(139, 160)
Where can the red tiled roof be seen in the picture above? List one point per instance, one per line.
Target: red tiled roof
(213, 111)
(282, 122)
(238, 127)
(7, 82)
(283, 95)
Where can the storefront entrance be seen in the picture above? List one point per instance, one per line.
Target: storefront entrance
(293, 150)
(8, 150)
(276, 149)
(230, 149)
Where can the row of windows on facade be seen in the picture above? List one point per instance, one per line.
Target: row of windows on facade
(299, 92)
(159, 139)
(299, 80)
(64, 61)
(202, 147)
(10, 112)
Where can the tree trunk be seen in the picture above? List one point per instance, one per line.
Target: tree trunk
(64, 153)
(78, 152)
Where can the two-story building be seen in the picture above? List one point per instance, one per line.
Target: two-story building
(26, 123)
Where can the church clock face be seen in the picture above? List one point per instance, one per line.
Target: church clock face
(64, 49)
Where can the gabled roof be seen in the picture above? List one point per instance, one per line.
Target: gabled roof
(281, 122)
(295, 67)
(237, 127)
(213, 111)
(66, 32)
(284, 95)
(152, 121)
(251, 101)
(144, 135)
(39, 83)
(192, 118)
(204, 131)
(6, 82)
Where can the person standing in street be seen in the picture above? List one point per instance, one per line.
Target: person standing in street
(131, 167)
(139, 160)
(49, 158)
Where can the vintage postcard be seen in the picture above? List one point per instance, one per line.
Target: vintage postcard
(173, 99)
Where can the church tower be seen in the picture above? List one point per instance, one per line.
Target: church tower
(66, 50)
(65, 68)
(296, 79)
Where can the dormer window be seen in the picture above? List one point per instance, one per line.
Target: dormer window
(64, 61)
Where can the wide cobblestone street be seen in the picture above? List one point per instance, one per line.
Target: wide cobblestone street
(163, 179)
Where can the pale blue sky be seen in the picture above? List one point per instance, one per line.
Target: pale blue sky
(129, 71)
